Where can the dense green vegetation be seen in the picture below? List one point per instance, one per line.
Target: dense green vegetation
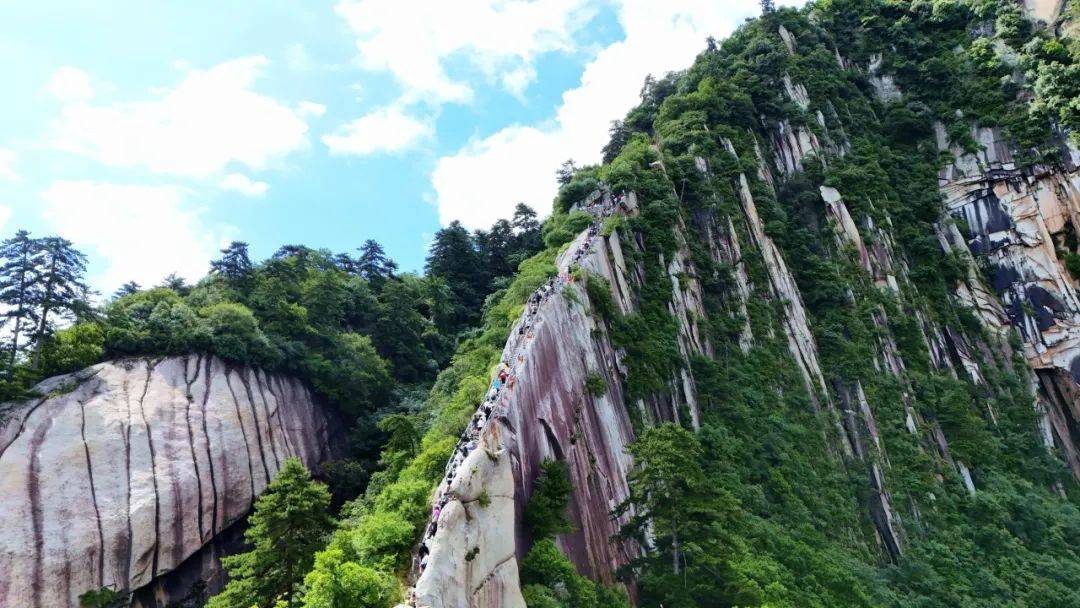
(548, 578)
(760, 506)
(787, 521)
(380, 528)
(367, 338)
(289, 524)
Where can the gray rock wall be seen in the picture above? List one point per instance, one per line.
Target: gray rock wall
(129, 468)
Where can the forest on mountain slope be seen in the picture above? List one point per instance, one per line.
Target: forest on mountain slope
(766, 513)
(368, 338)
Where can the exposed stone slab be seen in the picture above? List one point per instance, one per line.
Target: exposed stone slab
(128, 468)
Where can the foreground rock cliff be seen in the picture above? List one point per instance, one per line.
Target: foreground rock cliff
(125, 471)
(547, 414)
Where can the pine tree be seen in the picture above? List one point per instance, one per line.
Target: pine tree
(234, 265)
(61, 284)
(289, 524)
(399, 330)
(373, 263)
(19, 286)
(618, 136)
(546, 511)
(495, 246)
(665, 488)
(565, 172)
(127, 289)
(767, 6)
(301, 255)
(176, 283)
(454, 258)
(528, 240)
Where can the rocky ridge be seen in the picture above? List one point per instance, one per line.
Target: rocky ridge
(1015, 221)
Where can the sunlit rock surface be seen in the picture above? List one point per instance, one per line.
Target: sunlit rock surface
(127, 469)
(1019, 224)
(549, 416)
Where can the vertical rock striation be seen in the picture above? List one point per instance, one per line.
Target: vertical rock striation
(127, 469)
(548, 415)
(1020, 223)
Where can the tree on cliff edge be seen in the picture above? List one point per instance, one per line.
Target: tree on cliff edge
(290, 523)
(18, 280)
(63, 290)
(234, 265)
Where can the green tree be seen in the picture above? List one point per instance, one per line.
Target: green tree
(455, 259)
(373, 263)
(73, 348)
(235, 334)
(176, 283)
(127, 289)
(337, 583)
(62, 287)
(19, 286)
(546, 511)
(665, 486)
(154, 321)
(565, 172)
(527, 240)
(402, 443)
(351, 373)
(290, 523)
(234, 266)
(399, 330)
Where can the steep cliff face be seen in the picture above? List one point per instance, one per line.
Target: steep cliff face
(127, 470)
(547, 414)
(1021, 224)
(919, 293)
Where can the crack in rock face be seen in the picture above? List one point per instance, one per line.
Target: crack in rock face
(125, 472)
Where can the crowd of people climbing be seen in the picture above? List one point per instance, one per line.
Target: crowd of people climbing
(601, 204)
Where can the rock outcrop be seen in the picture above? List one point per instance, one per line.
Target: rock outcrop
(1013, 221)
(547, 415)
(1021, 224)
(127, 470)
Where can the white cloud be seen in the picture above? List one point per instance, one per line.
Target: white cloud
(517, 80)
(310, 109)
(142, 232)
(7, 159)
(485, 179)
(412, 39)
(70, 84)
(387, 129)
(297, 58)
(238, 182)
(5, 215)
(211, 119)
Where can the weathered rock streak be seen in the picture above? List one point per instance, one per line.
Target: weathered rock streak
(128, 468)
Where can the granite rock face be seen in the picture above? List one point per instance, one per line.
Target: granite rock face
(128, 469)
(1022, 224)
(548, 415)
(1013, 226)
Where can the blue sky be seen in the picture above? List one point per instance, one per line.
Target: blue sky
(151, 134)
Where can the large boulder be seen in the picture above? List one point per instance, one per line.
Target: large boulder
(123, 471)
